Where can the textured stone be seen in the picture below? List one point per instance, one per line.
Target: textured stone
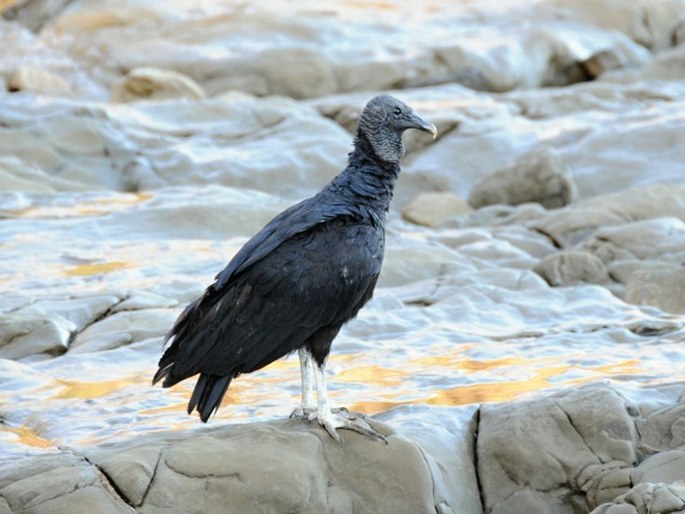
(24, 335)
(38, 81)
(538, 177)
(58, 484)
(664, 288)
(568, 268)
(275, 467)
(432, 209)
(147, 83)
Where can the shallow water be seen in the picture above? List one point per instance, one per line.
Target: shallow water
(459, 317)
(493, 334)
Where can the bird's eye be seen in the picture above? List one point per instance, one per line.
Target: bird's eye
(397, 111)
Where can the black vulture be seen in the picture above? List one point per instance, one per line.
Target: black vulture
(298, 280)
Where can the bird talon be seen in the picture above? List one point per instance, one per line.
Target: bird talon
(333, 433)
(305, 413)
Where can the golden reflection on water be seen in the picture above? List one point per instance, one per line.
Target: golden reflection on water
(85, 390)
(28, 437)
(371, 374)
(502, 391)
(82, 270)
(98, 207)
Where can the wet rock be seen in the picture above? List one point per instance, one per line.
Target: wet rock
(669, 64)
(298, 73)
(659, 238)
(432, 209)
(142, 299)
(529, 452)
(663, 288)
(645, 22)
(55, 484)
(575, 450)
(647, 499)
(41, 66)
(146, 83)
(80, 311)
(123, 328)
(602, 62)
(274, 467)
(446, 437)
(49, 325)
(33, 14)
(581, 222)
(150, 144)
(679, 33)
(131, 469)
(139, 175)
(25, 335)
(538, 177)
(39, 81)
(569, 268)
(664, 467)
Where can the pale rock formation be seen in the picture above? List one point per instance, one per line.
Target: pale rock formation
(146, 83)
(432, 209)
(538, 177)
(39, 81)
(568, 268)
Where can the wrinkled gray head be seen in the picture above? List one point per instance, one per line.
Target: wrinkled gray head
(382, 123)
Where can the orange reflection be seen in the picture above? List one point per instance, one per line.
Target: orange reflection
(504, 391)
(96, 207)
(175, 407)
(28, 437)
(497, 391)
(84, 390)
(95, 269)
(371, 374)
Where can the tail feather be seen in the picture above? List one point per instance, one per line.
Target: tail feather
(162, 372)
(208, 393)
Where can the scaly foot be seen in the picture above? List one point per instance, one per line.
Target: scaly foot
(342, 418)
(305, 413)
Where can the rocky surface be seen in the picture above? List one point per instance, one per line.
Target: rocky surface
(598, 449)
(142, 143)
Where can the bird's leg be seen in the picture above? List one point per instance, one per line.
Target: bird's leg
(307, 409)
(338, 418)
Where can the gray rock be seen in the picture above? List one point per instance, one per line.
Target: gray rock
(432, 209)
(273, 467)
(446, 437)
(58, 484)
(664, 288)
(148, 83)
(531, 453)
(537, 177)
(603, 61)
(123, 328)
(647, 499)
(664, 467)
(37, 80)
(131, 469)
(570, 268)
(24, 335)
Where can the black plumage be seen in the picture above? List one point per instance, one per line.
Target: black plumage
(296, 282)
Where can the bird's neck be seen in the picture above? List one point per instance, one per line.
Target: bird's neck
(370, 181)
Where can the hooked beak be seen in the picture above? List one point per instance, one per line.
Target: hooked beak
(424, 126)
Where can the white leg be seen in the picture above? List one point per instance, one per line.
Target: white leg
(338, 418)
(307, 408)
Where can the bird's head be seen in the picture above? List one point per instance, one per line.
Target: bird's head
(382, 123)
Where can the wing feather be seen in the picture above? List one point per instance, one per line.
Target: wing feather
(268, 308)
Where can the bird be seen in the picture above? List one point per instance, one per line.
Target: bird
(295, 283)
